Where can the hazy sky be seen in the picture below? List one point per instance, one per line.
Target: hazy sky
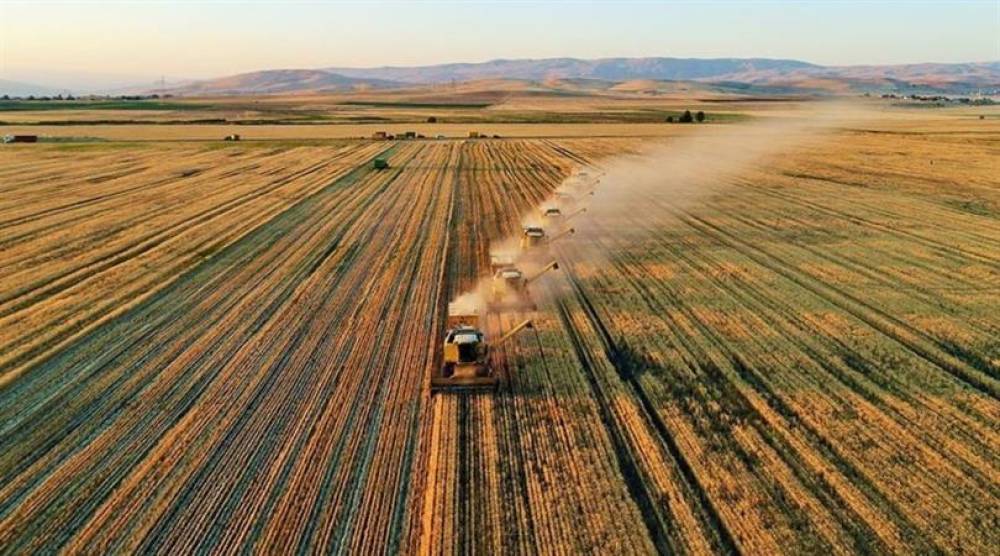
(205, 39)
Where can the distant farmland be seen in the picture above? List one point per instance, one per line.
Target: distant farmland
(223, 348)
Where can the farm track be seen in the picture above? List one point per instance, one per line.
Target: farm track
(235, 346)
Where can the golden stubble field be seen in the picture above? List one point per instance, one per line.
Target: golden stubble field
(221, 348)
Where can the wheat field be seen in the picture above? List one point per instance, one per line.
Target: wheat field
(227, 348)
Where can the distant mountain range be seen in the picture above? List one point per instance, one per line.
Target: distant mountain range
(607, 69)
(21, 89)
(748, 75)
(282, 81)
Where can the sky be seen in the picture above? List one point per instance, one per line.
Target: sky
(47, 42)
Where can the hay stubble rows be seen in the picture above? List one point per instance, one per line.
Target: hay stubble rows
(225, 349)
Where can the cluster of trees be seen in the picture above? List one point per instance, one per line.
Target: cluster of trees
(940, 99)
(87, 97)
(687, 117)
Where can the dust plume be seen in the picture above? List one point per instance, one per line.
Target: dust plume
(630, 197)
(638, 192)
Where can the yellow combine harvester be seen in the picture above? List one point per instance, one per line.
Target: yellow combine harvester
(552, 215)
(509, 289)
(555, 219)
(534, 237)
(466, 354)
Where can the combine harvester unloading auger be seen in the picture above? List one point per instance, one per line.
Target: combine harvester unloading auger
(466, 364)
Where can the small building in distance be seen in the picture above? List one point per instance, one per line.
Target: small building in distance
(232, 137)
(380, 135)
(20, 138)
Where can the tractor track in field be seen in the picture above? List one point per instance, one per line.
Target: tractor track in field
(952, 251)
(900, 331)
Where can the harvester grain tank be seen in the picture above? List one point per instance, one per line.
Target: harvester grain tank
(509, 289)
(465, 353)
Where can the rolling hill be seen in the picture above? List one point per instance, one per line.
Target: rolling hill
(747, 75)
(282, 81)
(609, 69)
(19, 88)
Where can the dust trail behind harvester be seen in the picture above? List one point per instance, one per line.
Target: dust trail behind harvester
(638, 192)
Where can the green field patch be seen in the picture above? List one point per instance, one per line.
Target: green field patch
(42, 105)
(390, 104)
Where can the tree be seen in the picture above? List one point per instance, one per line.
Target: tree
(686, 117)
(700, 116)
(670, 119)
(432, 120)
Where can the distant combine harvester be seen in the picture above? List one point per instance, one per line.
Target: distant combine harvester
(20, 138)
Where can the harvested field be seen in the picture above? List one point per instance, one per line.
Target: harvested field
(223, 349)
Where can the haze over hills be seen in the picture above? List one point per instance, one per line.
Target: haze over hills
(20, 88)
(609, 69)
(746, 75)
(734, 74)
(283, 81)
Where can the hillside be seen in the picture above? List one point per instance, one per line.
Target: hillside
(608, 69)
(281, 81)
(18, 88)
(622, 75)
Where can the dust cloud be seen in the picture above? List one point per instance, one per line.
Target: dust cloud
(638, 193)
(630, 197)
